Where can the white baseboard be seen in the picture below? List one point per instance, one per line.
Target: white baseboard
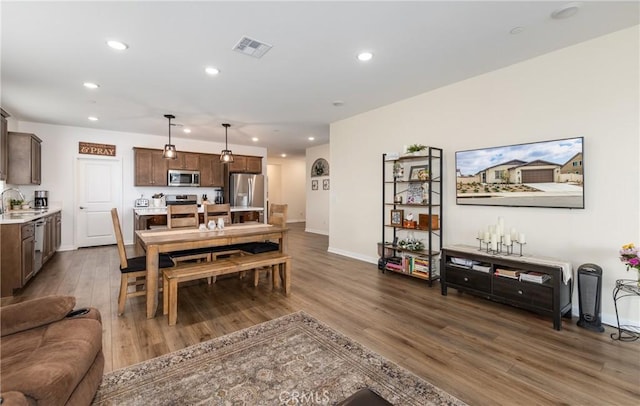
(316, 231)
(365, 258)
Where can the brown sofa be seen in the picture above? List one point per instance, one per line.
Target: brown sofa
(48, 355)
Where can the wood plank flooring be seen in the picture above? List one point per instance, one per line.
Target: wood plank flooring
(481, 352)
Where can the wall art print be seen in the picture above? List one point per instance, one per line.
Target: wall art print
(314, 184)
(320, 168)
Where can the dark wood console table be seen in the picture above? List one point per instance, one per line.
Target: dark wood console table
(467, 269)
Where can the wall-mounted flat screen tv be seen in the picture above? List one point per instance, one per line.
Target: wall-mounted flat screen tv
(537, 174)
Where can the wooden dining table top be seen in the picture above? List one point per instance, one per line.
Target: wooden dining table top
(196, 238)
(155, 242)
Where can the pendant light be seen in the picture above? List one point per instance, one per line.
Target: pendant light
(170, 149)
(226, 156)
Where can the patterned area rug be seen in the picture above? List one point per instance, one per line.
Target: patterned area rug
(292, 360)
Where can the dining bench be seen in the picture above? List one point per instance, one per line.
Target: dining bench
(193, 271)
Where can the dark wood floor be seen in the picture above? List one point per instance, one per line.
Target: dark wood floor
(484, 353)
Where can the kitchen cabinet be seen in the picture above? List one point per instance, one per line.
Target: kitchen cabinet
(211, 171)
(185, 160)
(4, 144)
(21, 256)
(150, 167)
(246, 164)
(23, 161)
(17, 262)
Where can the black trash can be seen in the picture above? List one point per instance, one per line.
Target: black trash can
(590, 297)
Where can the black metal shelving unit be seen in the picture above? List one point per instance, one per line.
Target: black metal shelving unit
(429, 232)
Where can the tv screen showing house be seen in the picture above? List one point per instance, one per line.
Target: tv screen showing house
(537, 174)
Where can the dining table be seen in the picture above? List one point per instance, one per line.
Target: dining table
(158, 241)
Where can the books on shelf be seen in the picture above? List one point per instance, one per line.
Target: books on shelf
(468, 263)
(536, 277)
(507, 273)
(481, 268)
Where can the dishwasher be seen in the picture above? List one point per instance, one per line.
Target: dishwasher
(39, 244)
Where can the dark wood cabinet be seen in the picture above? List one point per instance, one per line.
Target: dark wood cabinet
(18, 250)
(246, 164)
(4, 144)
(150, 167)
(185, 160)
(211, 171)
(23, 160)
(469, 270)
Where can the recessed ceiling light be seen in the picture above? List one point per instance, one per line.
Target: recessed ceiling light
(566, 11)
(365, 56)
(187, 131)
(92, 118)
(120, 46)
(311, 138)
(283, 155)
(212, 71)
(91, 85)
(254, 139)
(516, 30)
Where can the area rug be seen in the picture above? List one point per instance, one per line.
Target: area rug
(292, 360)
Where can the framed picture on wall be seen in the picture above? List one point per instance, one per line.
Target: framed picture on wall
(314, 184)
(325, 184)
(396, 217)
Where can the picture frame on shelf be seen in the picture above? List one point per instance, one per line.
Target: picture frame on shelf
(397, 217)
(419, 172)
(415, 193)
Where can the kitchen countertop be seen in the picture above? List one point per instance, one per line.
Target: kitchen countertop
(25, 216)
(152, 211)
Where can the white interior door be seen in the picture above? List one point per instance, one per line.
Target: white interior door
(98, 190)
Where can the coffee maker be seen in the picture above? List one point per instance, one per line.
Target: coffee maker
(41, 199)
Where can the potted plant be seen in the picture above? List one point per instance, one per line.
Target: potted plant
(16, 204)
(416, 149)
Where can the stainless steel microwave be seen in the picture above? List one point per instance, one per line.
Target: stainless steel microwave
(178, 177)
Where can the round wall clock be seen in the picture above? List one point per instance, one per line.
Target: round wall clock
(320, 168)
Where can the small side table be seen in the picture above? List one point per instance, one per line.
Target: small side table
(625, 288)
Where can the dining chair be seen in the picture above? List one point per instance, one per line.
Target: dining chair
(133, 271)
(277, 217)
(185, 216)
(217, 211)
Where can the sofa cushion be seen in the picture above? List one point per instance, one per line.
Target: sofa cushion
(47, 363)
(34, 313)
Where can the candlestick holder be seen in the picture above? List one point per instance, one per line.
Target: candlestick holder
(480, 240)
(520, 244)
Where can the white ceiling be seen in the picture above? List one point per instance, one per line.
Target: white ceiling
(50, 48)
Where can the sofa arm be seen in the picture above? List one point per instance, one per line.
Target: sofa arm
(34, 313)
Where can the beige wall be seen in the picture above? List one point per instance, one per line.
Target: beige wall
(590, 89)
(318, 200)
(286, 186)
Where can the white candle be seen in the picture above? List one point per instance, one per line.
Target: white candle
(507, 240)
(514, 234)
(480, 234)
(521, 238)
(486, 236)
(492, 229)
(494, 244)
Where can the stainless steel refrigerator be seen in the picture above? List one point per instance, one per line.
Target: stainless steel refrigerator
(246, 190)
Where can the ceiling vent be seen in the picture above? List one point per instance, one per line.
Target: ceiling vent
(252, 47)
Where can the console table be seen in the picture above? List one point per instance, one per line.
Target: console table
(467, 269)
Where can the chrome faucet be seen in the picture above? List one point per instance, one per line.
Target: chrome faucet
(2, 209)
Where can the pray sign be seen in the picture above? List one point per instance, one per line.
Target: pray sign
(96, 149)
